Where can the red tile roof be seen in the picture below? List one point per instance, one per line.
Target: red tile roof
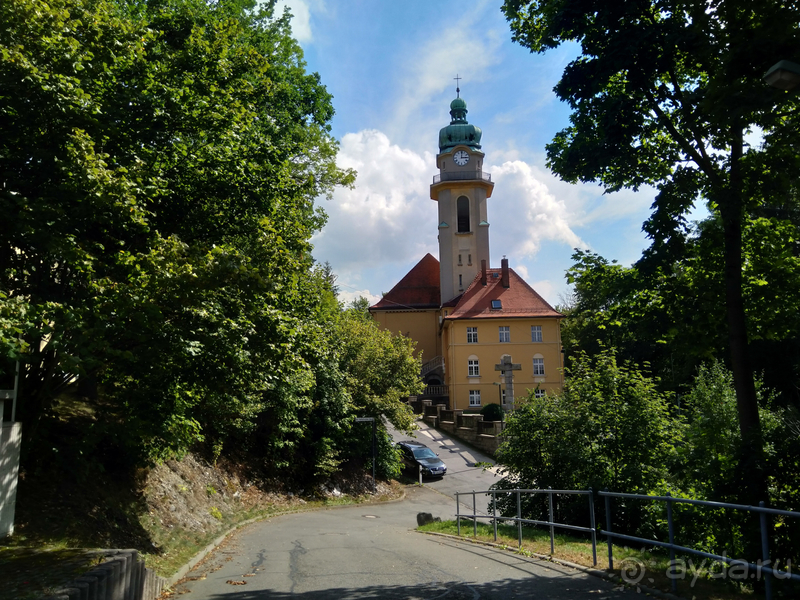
(418, 289)
(518, 299)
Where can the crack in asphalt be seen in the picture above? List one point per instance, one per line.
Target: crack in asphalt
(261, 559)
(294, 568)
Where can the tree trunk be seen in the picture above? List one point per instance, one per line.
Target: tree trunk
(743, 381)
(752, 470)
(732, 211)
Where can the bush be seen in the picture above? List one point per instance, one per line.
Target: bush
(609, 428)
(492, 412)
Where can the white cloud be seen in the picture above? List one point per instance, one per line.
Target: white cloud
(388, 218)
(546, 289)
(526, 212)
(388, 222)
(347, 296)
(301, 17)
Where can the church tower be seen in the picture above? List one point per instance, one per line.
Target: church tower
(484, 334)
(461, 189)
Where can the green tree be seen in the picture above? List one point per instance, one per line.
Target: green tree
(159, 167)
(380, 369)
(360, 306)
(671, 314)
(663, 93)
(609, 428)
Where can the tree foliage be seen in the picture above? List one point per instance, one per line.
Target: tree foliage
(663, 93)
(609, 427)
(612, 428)
(671, 314)
(159, 167)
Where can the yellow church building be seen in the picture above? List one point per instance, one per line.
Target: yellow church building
(484, 334)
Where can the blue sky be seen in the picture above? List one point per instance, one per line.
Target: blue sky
(390, 67)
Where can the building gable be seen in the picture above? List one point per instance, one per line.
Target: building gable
(419, 289)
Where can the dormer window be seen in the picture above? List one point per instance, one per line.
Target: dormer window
(497, 304)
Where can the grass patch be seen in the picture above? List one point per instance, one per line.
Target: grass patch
(697, 583)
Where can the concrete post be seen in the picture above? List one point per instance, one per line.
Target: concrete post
(91, 586)
(126, 559)
(10, 444)
(123, 560)
(138, 589)
(113, 587)
(101, 575)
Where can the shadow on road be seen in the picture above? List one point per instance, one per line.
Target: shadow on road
(452, 590)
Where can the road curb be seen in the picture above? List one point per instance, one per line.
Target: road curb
(610, 577)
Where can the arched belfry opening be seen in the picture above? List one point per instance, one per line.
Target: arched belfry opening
(462, 210)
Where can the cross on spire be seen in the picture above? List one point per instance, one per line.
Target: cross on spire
(458, 89)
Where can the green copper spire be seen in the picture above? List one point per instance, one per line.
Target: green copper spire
(459, 131)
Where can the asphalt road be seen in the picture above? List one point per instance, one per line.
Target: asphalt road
(461, 476)
(366, 552)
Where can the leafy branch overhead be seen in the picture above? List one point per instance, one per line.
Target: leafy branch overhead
(664, 94)
(159, 168)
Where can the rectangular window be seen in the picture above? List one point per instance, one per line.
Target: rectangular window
(505, 334)
(469, 259)
(459, 260)
(538, 366)
(536, 333)
(473, 370)
(538, 393)
(497, 304)
(502, 396)
(472, 335)
(474, 397)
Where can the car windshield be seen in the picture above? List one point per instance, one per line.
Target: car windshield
(424, 453)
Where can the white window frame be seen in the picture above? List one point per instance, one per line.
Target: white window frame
(538, 367)
(536, 333)
(537, 393)
(504, 329)
(474, 398)
(473, 368)
(472, 335)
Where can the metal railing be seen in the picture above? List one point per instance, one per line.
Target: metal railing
(762, 566)
(461, 176)
(519, 520)
(672, 546)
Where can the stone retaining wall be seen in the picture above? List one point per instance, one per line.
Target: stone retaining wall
(122, 576)
(470, 428)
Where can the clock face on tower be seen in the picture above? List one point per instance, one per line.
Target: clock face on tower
(461, 158)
